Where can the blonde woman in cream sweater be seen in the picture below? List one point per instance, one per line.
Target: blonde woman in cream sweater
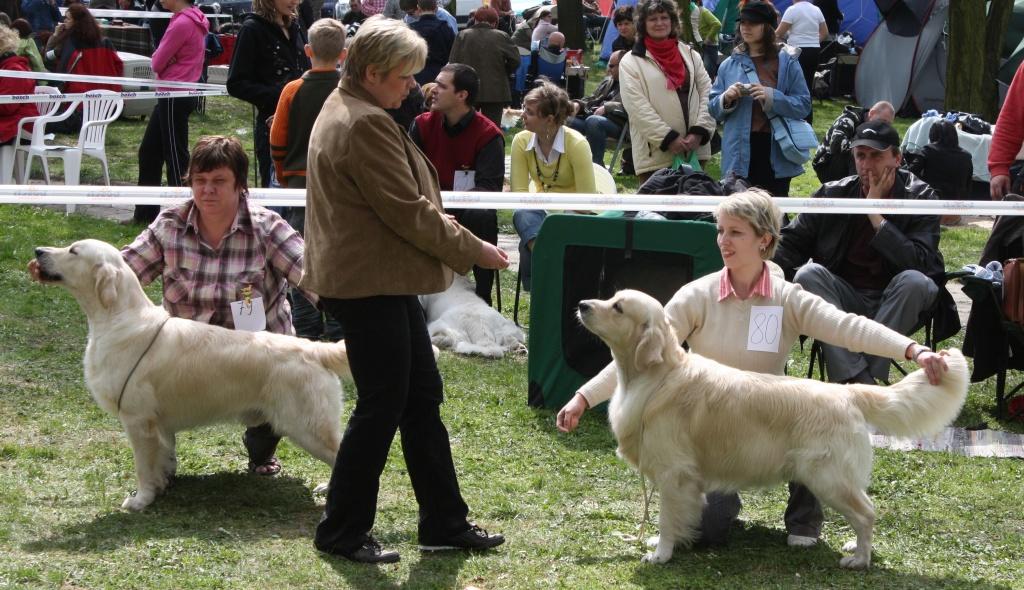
(713, 313)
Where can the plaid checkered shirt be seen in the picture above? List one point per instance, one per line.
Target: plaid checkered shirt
(260, 251)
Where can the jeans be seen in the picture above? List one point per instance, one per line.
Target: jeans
(527, 223)
(597, 130)
(398, 389)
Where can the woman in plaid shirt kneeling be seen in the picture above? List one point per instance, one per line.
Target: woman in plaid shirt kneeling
(218, 249)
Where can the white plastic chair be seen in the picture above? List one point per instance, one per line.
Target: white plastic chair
(96, 116)
(604, 180)
(9, 153)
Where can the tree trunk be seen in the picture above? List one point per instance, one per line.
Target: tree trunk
(975, 42)
(999, 13)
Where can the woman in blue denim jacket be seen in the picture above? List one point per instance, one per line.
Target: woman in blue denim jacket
(761, 79)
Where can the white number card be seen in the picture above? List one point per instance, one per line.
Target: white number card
(249, 314)
(765, 328)
(465, 180)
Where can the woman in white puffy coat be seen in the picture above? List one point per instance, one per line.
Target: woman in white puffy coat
(665, 91)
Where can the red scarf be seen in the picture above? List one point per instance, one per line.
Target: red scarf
(666, 53)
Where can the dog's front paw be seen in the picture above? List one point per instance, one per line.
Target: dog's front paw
(854, 562)
(652, 542)
(849, 546)
(136, 502)
(656, 557)
(321, 489)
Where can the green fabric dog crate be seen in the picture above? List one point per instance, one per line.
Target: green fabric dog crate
(580, 257)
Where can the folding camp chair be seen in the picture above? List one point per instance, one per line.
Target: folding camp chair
(927, 320)
(622, 141)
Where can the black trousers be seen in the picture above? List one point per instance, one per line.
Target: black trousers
(482, 223)
(809, 65)
(399, 389)
(760, 173)
(164, 145)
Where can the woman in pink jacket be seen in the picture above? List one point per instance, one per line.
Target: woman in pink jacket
(179, 57)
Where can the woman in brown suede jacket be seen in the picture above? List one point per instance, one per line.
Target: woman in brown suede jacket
(376, 237)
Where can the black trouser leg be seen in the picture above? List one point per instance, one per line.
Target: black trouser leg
(260, 442)
(398, 387)
(164, 144)
(482, 223)
(809, 65)
(760, 172)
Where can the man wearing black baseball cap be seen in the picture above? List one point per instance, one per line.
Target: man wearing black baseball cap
(885, 267)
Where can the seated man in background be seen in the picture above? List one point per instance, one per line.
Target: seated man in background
(887, 268)
(834, 160)
(468, 151)
(601, 115)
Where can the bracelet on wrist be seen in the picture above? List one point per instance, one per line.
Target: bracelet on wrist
(920, 350)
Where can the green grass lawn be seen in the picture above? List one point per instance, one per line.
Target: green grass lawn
(569, 507)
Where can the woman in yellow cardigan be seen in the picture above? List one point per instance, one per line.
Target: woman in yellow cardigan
(556, 158)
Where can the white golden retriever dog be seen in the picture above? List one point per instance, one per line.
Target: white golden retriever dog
(459, 320)
(160, 375)
(692, 425)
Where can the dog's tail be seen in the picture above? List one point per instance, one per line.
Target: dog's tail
(914, 407)
(333, 356)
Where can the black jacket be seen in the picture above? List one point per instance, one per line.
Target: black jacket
(264, 61)
(607, 94)
(439, 38)
(833, 160)
(904, 242)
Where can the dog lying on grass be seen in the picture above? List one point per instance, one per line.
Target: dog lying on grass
(692, 425)
(459, 320)
(160, 375)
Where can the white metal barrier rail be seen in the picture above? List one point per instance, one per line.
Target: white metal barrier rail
(139, 195)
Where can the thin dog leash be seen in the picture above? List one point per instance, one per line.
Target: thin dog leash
(136, 366)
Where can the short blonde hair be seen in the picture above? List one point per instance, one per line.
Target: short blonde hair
(758, 208)
(387, 44)
(9, 40)
(327, 39)
(549, 100)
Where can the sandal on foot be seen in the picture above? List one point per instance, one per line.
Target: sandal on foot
(269, 468)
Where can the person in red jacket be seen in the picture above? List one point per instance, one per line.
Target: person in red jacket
(10, 114)
(1007, 139)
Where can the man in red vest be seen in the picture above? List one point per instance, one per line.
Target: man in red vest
(468, 151)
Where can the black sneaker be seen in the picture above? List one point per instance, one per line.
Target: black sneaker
(369, 552)
(473, 538)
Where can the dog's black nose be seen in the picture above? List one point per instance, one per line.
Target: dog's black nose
(584, 306)
(39, 252)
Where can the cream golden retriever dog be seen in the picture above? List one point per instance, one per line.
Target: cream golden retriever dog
(692, 425)
(460, 321)
(160, 374)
